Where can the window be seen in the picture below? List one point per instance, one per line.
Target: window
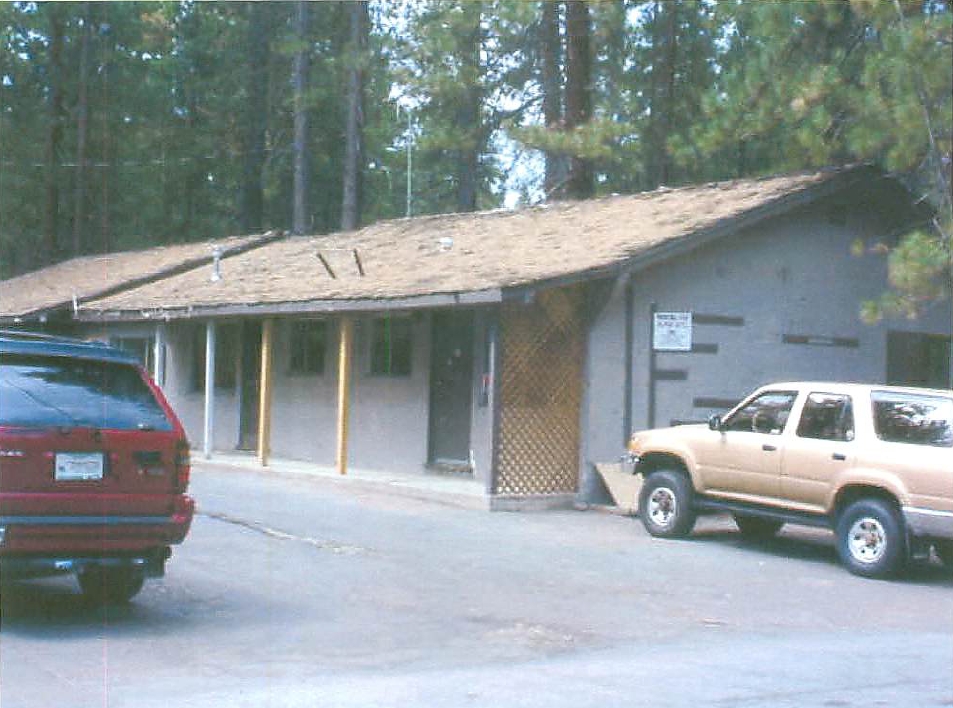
(226, 355)
(915, 359)
(767, 413)
(308, 341)
(64, 392)
(912, 418)
(827, 416)
(391, 346)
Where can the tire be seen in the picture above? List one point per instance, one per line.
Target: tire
(665, 504)
(870, 539)
(110, 586)
(757, 526)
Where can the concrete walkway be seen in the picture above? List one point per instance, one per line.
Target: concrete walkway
(454, 489)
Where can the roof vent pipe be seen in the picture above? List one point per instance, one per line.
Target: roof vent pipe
(216, 264)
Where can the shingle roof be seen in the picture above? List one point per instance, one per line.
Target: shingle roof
(467, 256)
(87, 277)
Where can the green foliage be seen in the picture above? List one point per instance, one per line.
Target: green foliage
(682, 91)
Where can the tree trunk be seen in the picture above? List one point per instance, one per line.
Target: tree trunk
(578, 92)
(105, 226)
(256, 120)
(359, 21)
(665, 51)
(301, 71)
(54, 133)
(468, 119)
(552, 92)
(82, 129)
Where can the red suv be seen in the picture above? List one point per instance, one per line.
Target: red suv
(94, 466)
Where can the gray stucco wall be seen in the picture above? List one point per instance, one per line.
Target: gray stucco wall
(794, 275)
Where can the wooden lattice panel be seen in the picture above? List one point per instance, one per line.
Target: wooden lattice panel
(540, 395)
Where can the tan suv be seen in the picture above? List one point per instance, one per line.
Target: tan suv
(873, 463)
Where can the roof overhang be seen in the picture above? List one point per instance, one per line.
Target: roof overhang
(310, 307)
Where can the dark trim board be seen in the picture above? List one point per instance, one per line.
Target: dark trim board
(821, 341)
(712, 402)
(718, 320)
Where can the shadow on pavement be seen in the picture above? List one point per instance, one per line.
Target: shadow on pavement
(54, 608)
(816, 545)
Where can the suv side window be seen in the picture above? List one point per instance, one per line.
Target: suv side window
(827, 416)
(913, 418)
(766, 413)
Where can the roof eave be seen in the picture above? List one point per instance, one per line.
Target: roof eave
(309, 307)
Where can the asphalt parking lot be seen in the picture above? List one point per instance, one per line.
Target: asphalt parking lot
(294, 591)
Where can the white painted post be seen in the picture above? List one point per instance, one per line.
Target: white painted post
(209, 388)
(158, 357)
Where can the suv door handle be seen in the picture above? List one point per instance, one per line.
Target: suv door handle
(839, 456)
(769, 448)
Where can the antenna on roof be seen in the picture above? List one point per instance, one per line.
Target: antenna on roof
(357, 260)
(216, 264)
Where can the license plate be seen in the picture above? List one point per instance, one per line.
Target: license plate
(78, 466)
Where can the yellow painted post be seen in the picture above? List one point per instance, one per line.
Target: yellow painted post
(344, 389)
(264, 400)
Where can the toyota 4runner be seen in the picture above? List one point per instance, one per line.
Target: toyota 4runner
(94, 466)
(873, 463)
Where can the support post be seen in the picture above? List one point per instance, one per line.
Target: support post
(627, 377)
(264, 401)
(345, 348)
(158, 357)
(209, 389)
(653, 308)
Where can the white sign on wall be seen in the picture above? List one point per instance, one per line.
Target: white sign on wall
(672, 332)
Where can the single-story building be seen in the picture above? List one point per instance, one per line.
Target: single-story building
(521, 347)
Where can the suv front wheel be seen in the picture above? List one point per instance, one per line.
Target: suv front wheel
(870, 538)
(665, 504)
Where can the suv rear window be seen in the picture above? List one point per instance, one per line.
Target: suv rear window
(38, 391)
(913, 418)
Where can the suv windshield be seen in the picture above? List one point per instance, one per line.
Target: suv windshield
(913, 418)
(62, 392)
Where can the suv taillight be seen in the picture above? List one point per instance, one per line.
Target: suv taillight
(183, 466)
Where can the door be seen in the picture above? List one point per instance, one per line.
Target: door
(743, 460)
(820, 449)
(451, 388)
(249, 383)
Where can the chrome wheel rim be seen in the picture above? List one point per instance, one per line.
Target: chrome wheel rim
(867, 540)
(662, 506)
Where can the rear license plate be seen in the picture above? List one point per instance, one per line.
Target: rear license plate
(78, 466)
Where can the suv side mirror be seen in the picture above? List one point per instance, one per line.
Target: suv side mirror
(714, 422)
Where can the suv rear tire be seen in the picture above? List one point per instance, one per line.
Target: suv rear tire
(870, 539)
(665, 504)
(757, 527)
(110, 586)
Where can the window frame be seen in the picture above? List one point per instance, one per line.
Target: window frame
(373, 367)
(849, 431)
(297, 335)
(738, 412)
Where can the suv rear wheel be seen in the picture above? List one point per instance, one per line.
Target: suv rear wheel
(110, 586)
(870, 538)
(665, 504)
